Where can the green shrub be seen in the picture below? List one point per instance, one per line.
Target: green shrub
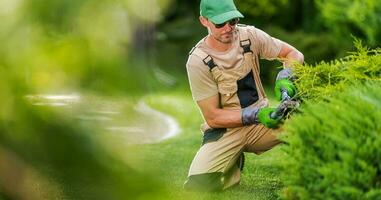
(333, 149)
(327, 78)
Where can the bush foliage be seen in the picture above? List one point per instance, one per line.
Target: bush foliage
(327, 78)
(334, 147)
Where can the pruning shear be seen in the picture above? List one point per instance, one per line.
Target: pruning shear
(287, 104)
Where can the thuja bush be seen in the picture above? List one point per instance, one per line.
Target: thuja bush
(333, 148)
(317, 82)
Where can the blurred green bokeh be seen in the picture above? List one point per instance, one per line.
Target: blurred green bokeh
(69, 47)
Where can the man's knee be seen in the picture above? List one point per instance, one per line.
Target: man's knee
(205, 182)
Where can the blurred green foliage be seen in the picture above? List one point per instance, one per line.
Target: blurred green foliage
(311, 44)
(61, 47)
(291, 15)
(66, 45)
(66, 154)
(360, 18)
(266, 8)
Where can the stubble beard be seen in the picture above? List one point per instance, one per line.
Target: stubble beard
(226, 40)
(221, 38)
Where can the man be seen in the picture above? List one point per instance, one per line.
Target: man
(223, 72)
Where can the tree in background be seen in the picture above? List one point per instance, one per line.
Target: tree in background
(361, 18)
(262, 9)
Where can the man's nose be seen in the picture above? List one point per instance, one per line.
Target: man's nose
(227, 27)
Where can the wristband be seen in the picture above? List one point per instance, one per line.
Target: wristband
(249, 115)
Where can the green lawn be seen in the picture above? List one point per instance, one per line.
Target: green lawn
(170, 159)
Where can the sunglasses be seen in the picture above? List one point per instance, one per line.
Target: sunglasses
(231, 22)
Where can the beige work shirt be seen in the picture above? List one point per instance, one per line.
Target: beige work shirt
(200, 78)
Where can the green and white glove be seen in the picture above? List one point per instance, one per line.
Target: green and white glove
(284, 85)
(285, 90)
(269, 117)
(253, 115)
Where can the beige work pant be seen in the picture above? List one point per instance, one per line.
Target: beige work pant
(215, 165)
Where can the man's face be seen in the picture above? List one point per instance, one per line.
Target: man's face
(222, 32)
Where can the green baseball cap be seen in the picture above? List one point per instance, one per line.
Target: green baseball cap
(219, 11)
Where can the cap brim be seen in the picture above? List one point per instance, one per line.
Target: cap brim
(224, 17)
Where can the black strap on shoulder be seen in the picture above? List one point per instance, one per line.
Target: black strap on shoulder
(245, 44)
(209, 61)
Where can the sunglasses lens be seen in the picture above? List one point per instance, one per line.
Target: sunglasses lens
(231, 22)
(220, 25)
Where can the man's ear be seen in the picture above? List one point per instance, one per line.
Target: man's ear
(203, 21)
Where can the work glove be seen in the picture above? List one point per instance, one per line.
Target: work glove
(269, 117)
(284, 87)
(285, 91)
(253, 115)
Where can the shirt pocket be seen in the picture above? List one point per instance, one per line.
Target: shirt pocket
(226, 83)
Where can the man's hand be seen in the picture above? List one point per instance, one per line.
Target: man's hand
(269, 117)
(284, 87)
(289, 55)
(252, 115)
(263, 116)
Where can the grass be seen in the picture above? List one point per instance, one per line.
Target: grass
(169, 160)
